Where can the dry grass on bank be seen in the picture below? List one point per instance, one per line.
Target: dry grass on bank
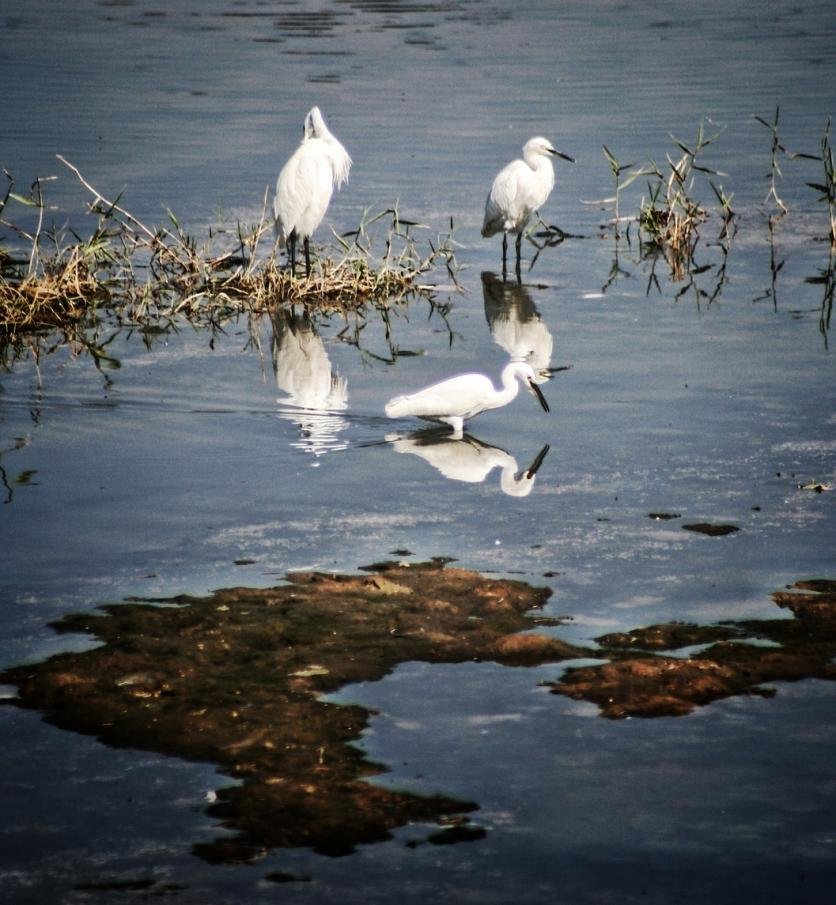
(55, 278)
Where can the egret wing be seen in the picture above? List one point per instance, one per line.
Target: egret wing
(340, 162)
(460, 397)
(303, 189)
(500, 208)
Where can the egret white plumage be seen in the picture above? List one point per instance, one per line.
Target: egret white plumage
(302, 367)
(306, 183)
(519, 190)
(457, 399)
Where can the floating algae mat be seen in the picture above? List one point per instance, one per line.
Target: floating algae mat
(237, 679)
(656, 671)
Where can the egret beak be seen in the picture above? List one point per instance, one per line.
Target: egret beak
(550, 372)
(538, 461)
(539, 394)
(564, 156)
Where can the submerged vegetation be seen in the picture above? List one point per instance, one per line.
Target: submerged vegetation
(681, 198)
(670, 217)
(828, 186)
(238, 679)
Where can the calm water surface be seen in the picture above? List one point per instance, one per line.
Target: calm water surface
(154, 478)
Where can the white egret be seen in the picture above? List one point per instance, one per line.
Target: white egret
(470, 460)
(457, 399)
(305, 185)
(518, 191)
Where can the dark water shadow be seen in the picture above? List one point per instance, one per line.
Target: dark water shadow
(10, 482)
(826, 278)
(90, 340)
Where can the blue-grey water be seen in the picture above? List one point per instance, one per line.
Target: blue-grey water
(716, 402)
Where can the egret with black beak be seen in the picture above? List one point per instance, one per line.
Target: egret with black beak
(458, 399)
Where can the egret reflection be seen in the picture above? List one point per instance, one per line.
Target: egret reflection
(516, 325)
(470, 460)
(315, 393)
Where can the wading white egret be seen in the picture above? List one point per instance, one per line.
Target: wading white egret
(457, 399)
(305, 185)
(519, 190)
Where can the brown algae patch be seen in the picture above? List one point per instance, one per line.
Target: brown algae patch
(236, 678)
(734, 658)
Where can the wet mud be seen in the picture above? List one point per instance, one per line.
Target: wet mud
(237, 679)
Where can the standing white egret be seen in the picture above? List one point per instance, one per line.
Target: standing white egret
(457, 399)
(518, 191)
(305, 185)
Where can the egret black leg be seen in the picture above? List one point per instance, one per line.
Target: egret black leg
(504, 254)
(518, 244)
(291, 250)
(307, 258)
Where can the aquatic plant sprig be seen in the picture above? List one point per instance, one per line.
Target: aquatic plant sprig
(778, 149)
(671, 215)
(726, 210)
(775, 168)
(34, 200)
(617, 168)
(827, 188)
(45, 282)
(614, 201)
